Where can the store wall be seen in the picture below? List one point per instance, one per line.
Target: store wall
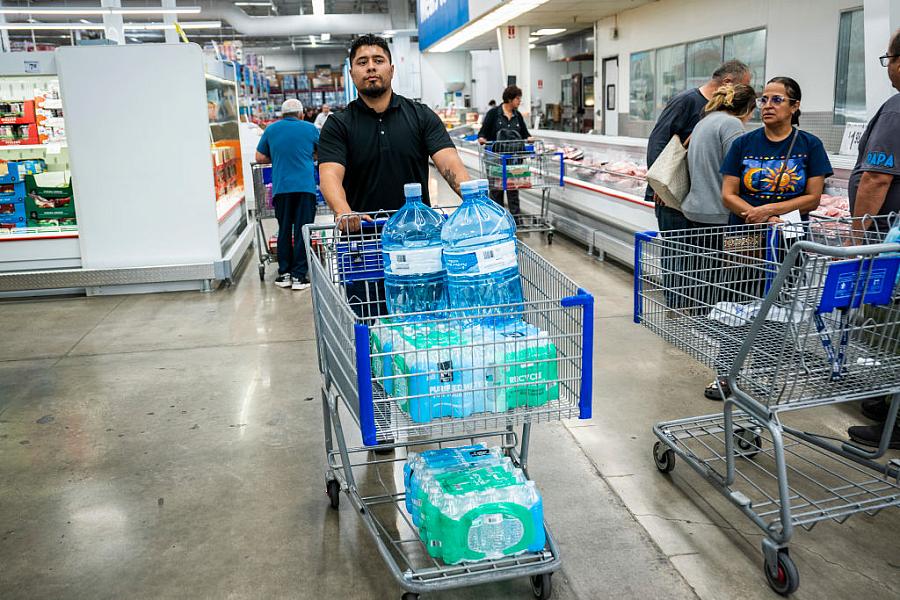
(801, 42)
(487, 77)
(438, 70)
(284, 63)
(550, 73)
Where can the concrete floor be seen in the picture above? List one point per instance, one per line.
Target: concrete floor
(170, 445)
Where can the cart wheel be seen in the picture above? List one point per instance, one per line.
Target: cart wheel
(664, 458)
(333, 489)
(786, 578)
(542, 586)
(748, 441)
(262, 272)
(550, 238)
(409, 596)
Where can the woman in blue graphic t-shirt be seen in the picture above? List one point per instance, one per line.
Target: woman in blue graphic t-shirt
(761, 182)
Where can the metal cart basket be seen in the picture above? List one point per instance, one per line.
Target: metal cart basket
(513, 165)
(264, 210)
(348, 298)
(797, 316)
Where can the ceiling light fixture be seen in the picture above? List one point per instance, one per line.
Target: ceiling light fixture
(550, 31)
(72, 10)
(182, 24)
(531, 46)
(127, 26)
(253, 4)
(486, 23)
(318, 7)
(325, 37)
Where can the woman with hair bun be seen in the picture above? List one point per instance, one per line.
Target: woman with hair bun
(726, 112)
(777, 169)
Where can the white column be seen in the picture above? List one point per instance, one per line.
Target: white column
(113, 25)
(171, 34)
(515, 59)
(4, 34)
(881, 18)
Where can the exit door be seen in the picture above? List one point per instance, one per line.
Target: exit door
(611, 96)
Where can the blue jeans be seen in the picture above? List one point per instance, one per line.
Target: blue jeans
(293, 210)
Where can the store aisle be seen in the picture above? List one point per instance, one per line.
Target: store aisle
(170, 445)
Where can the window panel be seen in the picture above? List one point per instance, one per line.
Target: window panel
(850, 78)
(750, 48)
(670, 74)
(703, 58)
(640, 94)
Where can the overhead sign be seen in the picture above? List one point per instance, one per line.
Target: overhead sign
(437, 18)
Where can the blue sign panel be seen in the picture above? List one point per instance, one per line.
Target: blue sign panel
(850, 283)
(437, 18)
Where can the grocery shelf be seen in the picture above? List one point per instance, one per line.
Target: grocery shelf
(37, 233)
(227, 203)
(31, 146)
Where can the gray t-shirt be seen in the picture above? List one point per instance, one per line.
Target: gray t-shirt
(710, 141)
(879, 151)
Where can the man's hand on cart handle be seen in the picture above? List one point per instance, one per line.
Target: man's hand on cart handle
(482, 141)
(350, 222)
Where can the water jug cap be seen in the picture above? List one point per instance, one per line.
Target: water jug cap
(467, 187)
(411, 190)
(482, 184)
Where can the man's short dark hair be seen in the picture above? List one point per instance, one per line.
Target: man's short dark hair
(369, 39)
(894, 48)
(511, 93)
(735, 68)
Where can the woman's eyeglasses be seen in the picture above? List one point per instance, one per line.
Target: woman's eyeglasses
(776, 100)
(886, 59)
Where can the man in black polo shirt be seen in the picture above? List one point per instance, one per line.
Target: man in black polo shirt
(381, 141)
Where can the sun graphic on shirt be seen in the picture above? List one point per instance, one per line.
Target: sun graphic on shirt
(779, 182)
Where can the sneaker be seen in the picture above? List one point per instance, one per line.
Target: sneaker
(283, 281)
(300, 284)
(870, 435)
(876, 409)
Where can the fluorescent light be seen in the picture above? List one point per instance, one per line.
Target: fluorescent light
(318, 7)
(531, 46)
(184, 25)
(325, 37)
(501, 15)
(253, 4)
(548, 31)
(86, 22)
(48, 26)
(533, 39)
(312, 40)
(72, 10)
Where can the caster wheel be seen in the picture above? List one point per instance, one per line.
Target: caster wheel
(542, 586)
(409, 596)
(333, 489)
(663, 457)
(262, 272)
(786, 578)
(549, 239)
(748, 442)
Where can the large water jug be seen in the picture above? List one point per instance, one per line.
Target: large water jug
(480, 256)
(414, 276)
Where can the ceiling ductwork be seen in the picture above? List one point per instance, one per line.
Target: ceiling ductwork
(335, 24)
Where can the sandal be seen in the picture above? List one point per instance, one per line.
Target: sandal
(712, 390)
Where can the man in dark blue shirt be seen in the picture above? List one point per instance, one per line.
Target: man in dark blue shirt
(289, 145)
(679, 117)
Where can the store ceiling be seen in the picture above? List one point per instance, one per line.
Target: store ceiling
(573, 15)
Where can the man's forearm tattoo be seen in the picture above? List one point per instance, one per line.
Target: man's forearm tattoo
(450, 177)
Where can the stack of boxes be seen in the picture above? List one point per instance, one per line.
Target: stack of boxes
(48, 113)
(14, 201)
(49, 206)
(225, 169)
(17, 123)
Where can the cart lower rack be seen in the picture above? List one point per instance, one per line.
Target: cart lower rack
(463, 405)
(794, 316)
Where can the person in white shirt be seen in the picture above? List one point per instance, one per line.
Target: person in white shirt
(322, 117)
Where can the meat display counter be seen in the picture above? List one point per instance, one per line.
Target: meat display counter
(602, 203)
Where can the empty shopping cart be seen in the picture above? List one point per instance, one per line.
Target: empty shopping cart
(515, 165)
(365, 377)
(262, 192)
(797, 316)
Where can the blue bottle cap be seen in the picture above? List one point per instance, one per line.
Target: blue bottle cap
(468, 187)
(412, 190)
(482, 185)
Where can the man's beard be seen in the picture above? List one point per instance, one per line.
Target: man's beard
(373, 92)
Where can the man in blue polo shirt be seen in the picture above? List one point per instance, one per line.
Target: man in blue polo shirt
(289, 145)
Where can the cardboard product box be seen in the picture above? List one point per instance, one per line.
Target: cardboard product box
(32, 166)
(44, 222)
(48, 202)
(9, 172)
(16, 111)
(12, 213)
(19, 135)
(10, 192)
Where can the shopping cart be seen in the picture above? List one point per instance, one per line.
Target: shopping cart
(262, 192)
(513, 165)
(265, 246)
(352, 356)
(797, 316)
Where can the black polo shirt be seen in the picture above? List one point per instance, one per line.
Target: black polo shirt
(495, 120)
(382, 152)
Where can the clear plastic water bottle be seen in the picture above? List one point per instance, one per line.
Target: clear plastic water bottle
(414, 276)
(480, 257)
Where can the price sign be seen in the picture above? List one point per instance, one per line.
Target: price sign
(852, 134)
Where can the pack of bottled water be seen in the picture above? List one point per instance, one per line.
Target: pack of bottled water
(475, 508)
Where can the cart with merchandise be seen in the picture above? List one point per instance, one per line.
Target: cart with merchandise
(514, 165)
(366, 377)
(792, 316)
(262, 192)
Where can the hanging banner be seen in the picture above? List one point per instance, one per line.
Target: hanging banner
(437, 18)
